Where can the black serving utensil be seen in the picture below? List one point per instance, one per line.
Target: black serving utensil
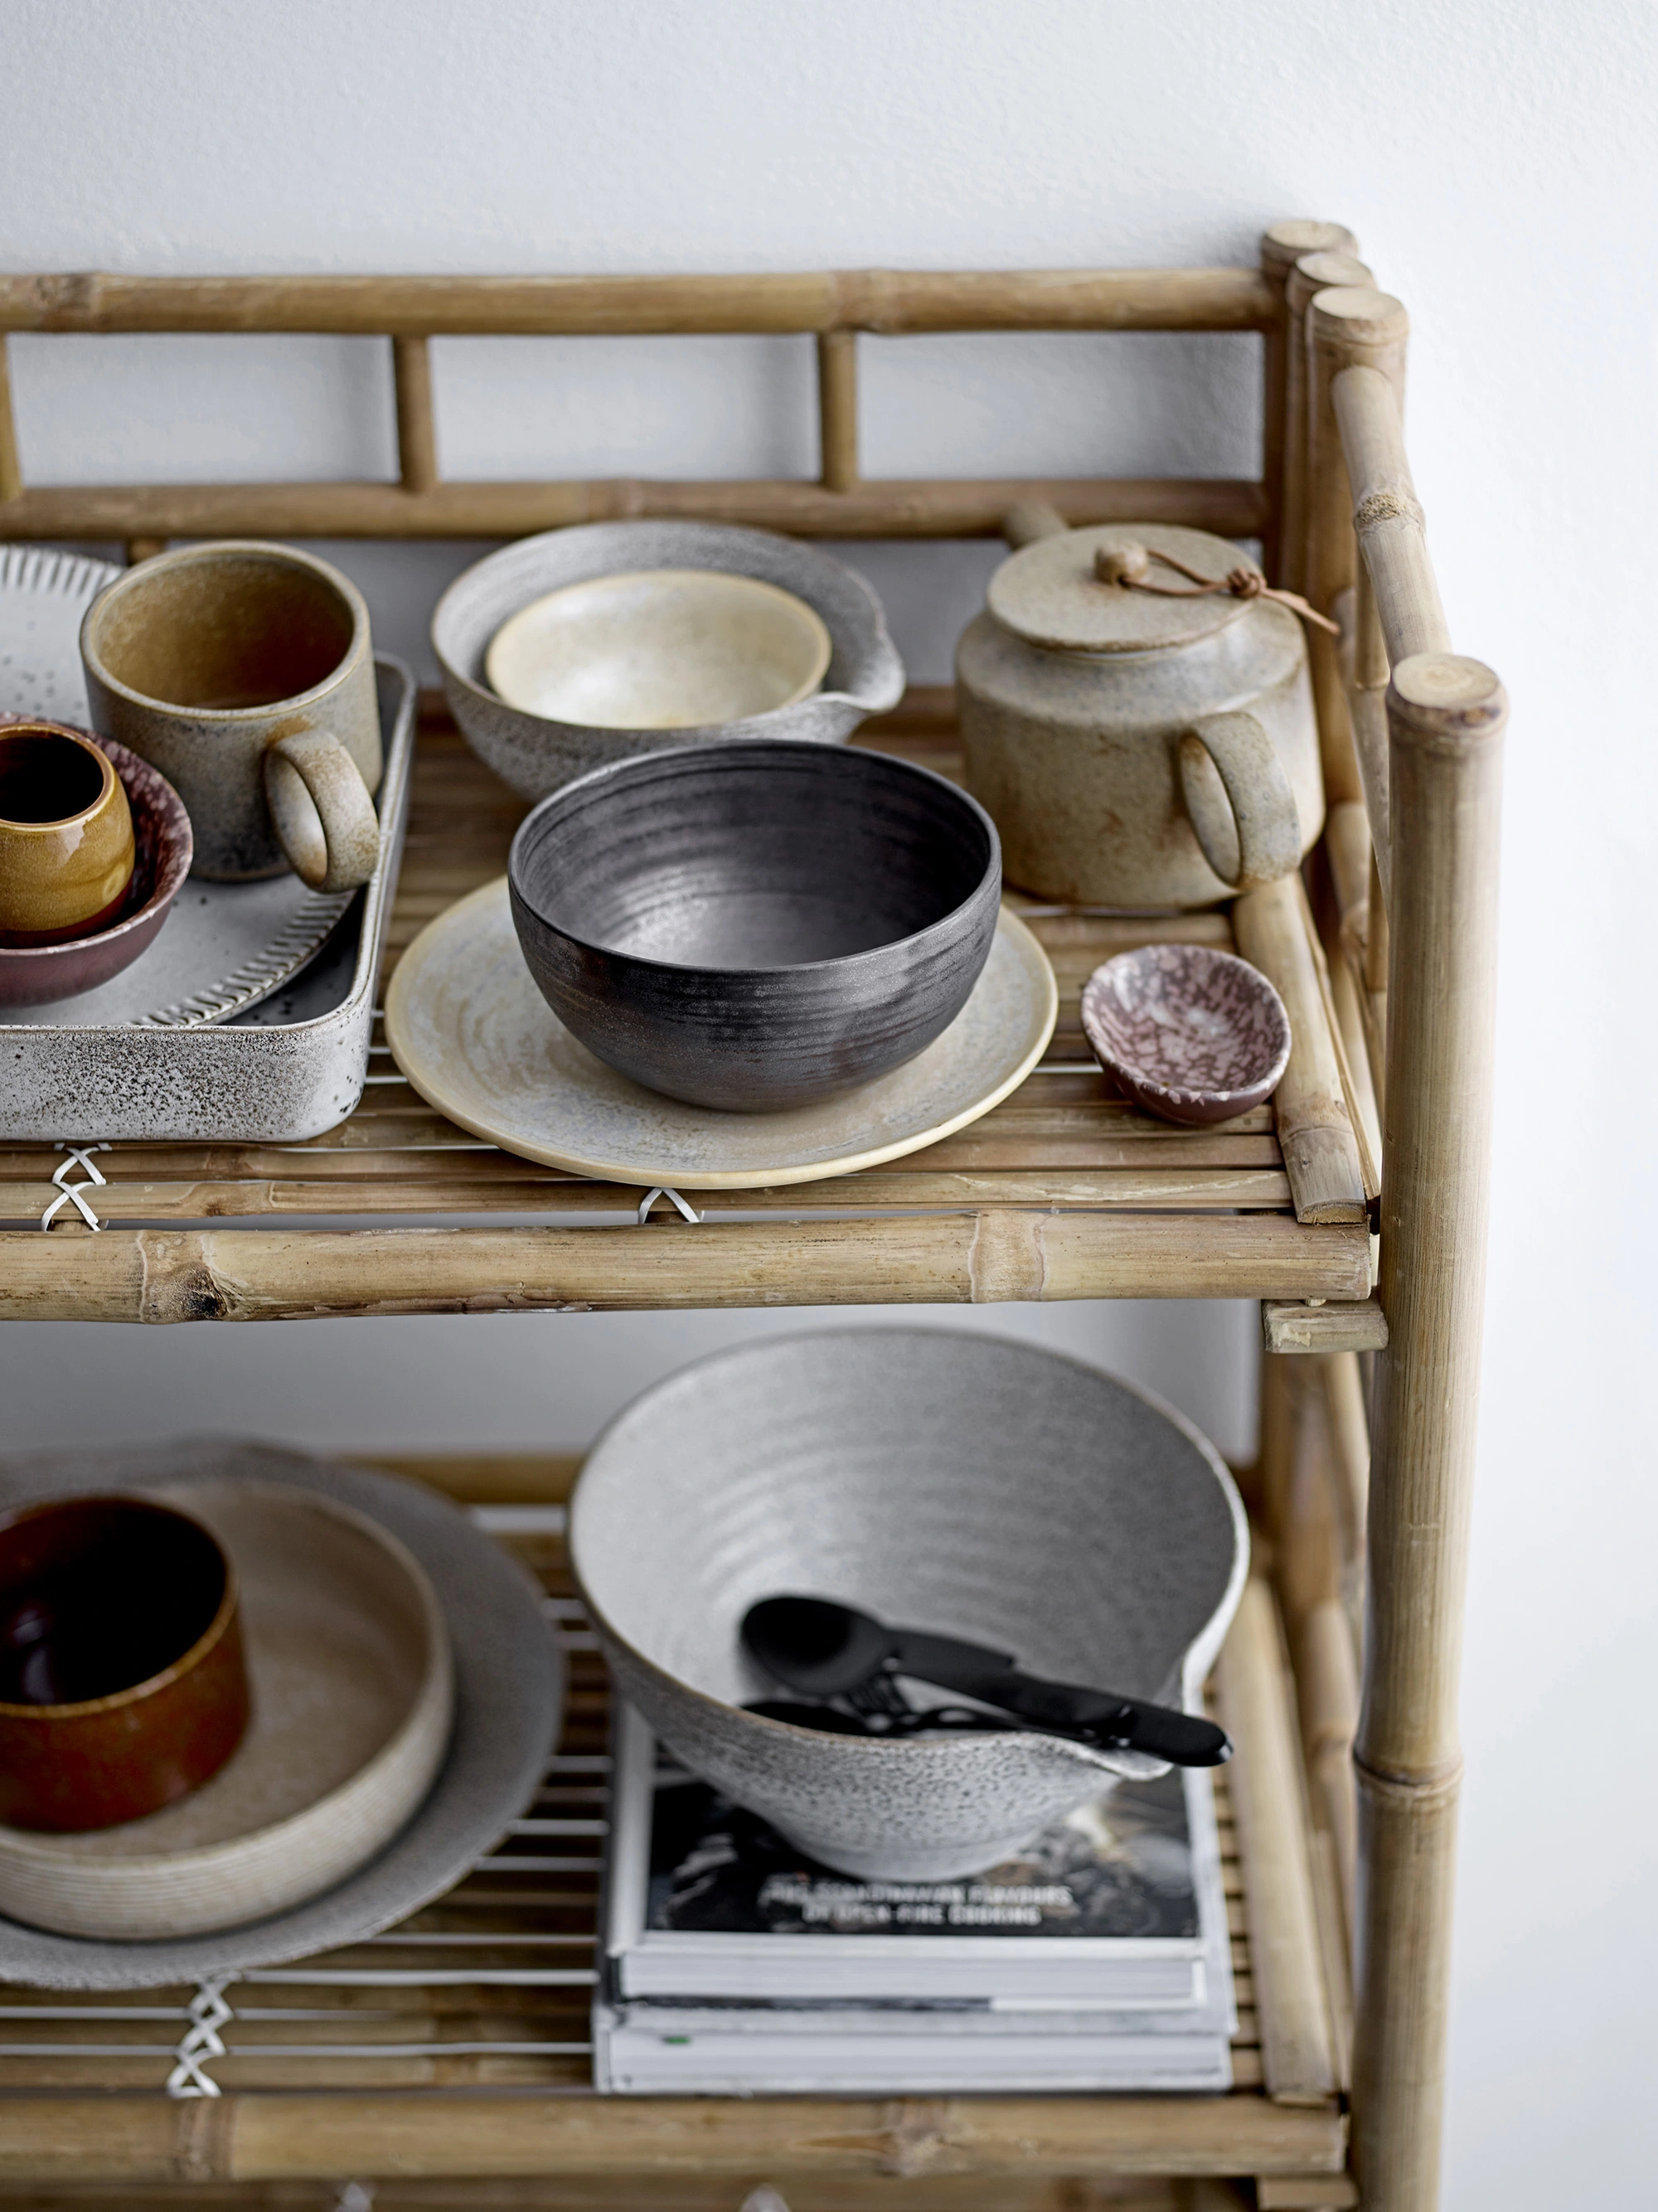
(883, 1721)
(820, 1649)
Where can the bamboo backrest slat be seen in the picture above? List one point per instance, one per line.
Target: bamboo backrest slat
(832, 307)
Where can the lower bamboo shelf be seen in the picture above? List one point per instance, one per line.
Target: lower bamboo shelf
(455, 2045)
(1064, 1191)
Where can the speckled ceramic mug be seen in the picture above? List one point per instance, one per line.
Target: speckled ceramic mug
(245, 673)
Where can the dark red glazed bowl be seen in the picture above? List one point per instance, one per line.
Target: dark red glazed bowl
(36, 974)
(123, 1685)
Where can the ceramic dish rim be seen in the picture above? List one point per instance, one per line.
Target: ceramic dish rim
(169, 879)
(375, 906)
(1196, 1664)
(1026, 946)
(730, 580)
(17, 726)
(211, 549)
(721, 759)
(453, 673)
(164, 1677)
(488, 1668)
(1261, 1085)
(438, 1671)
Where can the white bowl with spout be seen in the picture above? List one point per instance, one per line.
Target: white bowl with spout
(974, 1486)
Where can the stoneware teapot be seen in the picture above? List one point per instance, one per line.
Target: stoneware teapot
(1139, 741)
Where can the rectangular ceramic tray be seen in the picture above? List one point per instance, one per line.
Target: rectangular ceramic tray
(286, 1069)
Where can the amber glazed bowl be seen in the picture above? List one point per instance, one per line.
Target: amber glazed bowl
(37, 974)
(66, 847)
(122, 1680)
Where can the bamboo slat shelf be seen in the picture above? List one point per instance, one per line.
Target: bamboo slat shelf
(448, 2065)
(1064, 1191)
(1345, 1804)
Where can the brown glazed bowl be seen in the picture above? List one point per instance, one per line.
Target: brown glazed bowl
(36, 974)
(1194, 1036)
(122, 1680)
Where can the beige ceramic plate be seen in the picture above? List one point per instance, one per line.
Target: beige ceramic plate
(353, 1698)
(469, 1029)
(662, 649)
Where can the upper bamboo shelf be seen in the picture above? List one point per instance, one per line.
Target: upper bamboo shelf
(1065, 1191)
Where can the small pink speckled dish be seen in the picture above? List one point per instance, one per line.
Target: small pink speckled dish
(1192, 1034)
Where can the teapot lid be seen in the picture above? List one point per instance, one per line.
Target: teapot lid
(1048, 593)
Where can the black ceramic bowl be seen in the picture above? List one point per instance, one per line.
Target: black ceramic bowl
(756, 925)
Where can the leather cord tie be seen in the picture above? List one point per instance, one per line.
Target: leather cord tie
(1129, 566)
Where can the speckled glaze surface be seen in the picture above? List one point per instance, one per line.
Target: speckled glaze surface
(352, 1683)
(760, 926)
(535, 754)
(47, 974)
(170, 641)
(970, 1485)
(1075, 698)
(1194, 1035)
(509, 1691)
(275, 1072)
(477, 1040)
(663, 649)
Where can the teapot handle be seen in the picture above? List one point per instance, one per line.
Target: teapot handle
(1252, 835)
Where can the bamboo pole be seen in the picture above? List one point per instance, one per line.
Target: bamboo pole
(11, 473)
(888, 507)
(891, 300)
(1324, 1325)
(1446, 715)
(417, 448)
(1309, 275)
(1256, 1707)
(1315, 1131)
(1163, 1190)
(1345, 326)
(235, 1274)
(249, 2137)
(1349, 1427)
(1369, 1148)
(1281, 247)
(1388, 518)
(837, 408)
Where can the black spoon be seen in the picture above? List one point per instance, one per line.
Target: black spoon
(822, 1649)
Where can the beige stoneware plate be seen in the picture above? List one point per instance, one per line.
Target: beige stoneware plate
(475, 1038)
(660, 649)
(352, 1676)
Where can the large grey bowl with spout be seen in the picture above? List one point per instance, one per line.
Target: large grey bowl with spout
(536, 753)
(971, 1485)
(760, 926)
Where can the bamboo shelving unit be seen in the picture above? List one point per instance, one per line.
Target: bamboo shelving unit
(1344, 1799)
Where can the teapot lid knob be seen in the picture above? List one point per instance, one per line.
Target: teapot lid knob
(1121, 564)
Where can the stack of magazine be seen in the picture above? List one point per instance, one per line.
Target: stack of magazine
(1098, 1959)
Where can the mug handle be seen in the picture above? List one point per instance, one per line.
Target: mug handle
(320, 807)
(1261, 840)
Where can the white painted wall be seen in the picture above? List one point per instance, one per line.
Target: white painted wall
(1494, 158)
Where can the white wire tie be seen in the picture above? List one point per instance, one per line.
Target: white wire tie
(356, 2197)
(72, 1193)
(661, 1190)
(200, 2042)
